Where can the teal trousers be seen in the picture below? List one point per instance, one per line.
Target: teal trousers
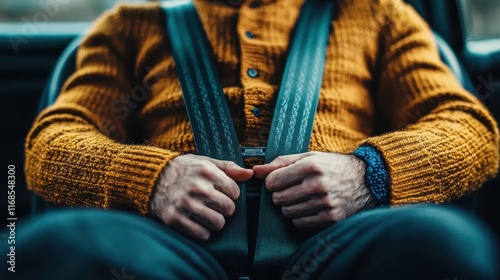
(418, 242)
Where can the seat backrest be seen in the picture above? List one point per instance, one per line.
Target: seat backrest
(65, 66)
(450, 59)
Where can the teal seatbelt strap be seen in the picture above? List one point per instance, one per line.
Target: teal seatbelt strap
(213, 129)
(291, 128)
(215, 135)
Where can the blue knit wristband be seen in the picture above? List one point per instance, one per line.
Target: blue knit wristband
(377, 175)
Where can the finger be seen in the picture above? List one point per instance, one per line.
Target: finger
(292, 195)
(205, 216)
(288, 176)
(310, 207)
(321, 219)
(221, 182)
(232, 170)
(187, 227)
(219, 202)
(191, 228)
(298, 193)
(227, 186)
(261, 171)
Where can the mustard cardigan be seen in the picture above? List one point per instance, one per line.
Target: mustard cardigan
(120, 117)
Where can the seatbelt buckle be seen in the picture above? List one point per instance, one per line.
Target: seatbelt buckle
(253, 152)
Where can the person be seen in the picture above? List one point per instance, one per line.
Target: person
(393, 128)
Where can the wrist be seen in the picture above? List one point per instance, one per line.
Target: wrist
(158, 189)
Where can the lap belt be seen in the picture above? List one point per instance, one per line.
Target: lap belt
(215, 135)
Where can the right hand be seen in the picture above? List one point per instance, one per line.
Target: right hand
(194, 194)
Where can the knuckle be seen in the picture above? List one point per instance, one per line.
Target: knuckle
(208, 173)
(328, 201)
(280, 160)
(200, 189)
(321, 187)
(205, 165)
(170, 218)
(336, 201)
(226, 164)
(316, 168)
(206, 194)
(332, 215)
(191, 187)
(183, 203)
(229, 164)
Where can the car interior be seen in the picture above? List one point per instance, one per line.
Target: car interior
(36, 58)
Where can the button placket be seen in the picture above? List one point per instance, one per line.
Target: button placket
(252, 57)
(251, 51)
(247, 27)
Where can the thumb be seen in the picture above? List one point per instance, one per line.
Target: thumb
(233, 171)
(261, 171)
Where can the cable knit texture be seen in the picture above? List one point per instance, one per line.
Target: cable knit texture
(120, 117)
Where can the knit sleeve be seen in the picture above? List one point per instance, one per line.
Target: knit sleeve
(76, 151)
(443, 142)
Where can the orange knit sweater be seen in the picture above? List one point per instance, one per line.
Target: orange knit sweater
(121, 118)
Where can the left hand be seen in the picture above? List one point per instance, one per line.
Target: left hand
(317, 189)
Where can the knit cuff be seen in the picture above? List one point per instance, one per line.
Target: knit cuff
(376, 176)
(133, 174)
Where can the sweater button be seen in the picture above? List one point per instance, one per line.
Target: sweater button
(256, 112)
(252, 72)
(254, 4)
(249, 35)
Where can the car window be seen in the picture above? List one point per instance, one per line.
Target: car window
(481, 19)
(480, 27)
(43, 11)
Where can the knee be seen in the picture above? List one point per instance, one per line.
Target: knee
(439, 226)
(444, 236)
(92, 244)
(67, 226)
(87, 231)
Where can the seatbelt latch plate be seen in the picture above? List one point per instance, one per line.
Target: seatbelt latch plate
(253, 152)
